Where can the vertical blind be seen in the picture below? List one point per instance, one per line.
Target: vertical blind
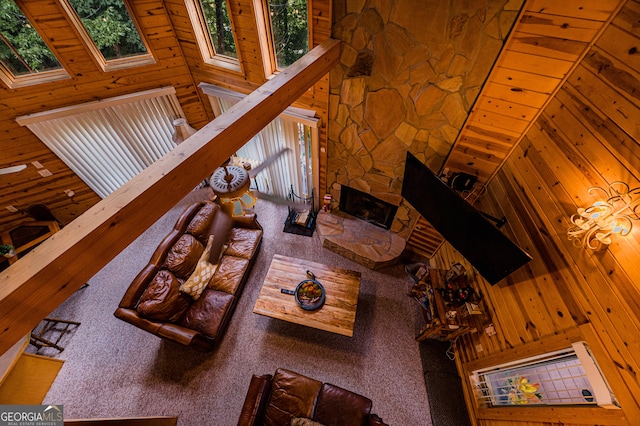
(106, 143)
(290, 130)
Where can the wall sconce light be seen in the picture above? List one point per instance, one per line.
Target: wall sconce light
(594, 226)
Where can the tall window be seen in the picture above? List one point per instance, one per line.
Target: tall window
(22, 51)
(109, 31)
(295, 129)
(290, 30)
(219, 25)
(214, 32)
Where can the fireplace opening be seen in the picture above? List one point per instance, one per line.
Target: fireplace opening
(367, 207)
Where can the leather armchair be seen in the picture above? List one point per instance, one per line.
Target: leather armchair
(274, 400)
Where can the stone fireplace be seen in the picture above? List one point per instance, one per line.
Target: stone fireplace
(360, 229)
(367, 207)
(407, 79)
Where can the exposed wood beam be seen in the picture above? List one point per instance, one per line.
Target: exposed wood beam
(33, 287)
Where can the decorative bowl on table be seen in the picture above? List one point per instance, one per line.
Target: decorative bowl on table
(310, 294)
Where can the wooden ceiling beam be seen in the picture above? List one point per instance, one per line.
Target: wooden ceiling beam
(34, 286)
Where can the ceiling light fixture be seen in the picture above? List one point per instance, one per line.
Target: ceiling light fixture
(594, 226)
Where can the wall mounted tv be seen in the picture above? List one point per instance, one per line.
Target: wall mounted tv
(488, 250)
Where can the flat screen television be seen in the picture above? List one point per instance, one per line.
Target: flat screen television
(488, 250)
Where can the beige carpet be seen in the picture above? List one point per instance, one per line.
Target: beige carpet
(113, 369)
(30, 379)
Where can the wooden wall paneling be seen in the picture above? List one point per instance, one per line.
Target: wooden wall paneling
(623, 112)
(424, 239)
(549, 268)
(621, 44)
(602, 127)
(492, 142)
(556, 48)
(597, 10)
(526, 62)
(86, 83)
(499, 121)
(599, 156)
(507, 109)
(617, 74)
(587, 268)
(320, 30)
(609, 362)
(561, 27)
(243, 15)
(628, 16)
(525, 80)
(544, 307)
(515, 94)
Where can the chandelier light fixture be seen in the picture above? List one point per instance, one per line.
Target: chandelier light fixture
(612, 214)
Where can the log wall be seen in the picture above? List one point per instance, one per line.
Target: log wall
(587, 135)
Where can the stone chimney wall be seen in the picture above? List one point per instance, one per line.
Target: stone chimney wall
(408, 76)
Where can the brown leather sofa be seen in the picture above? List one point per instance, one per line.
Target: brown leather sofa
(288, 398)
(153, 301)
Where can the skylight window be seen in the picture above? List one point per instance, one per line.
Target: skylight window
(110, 32)
(214, 33)
(289, 29)
(24, 56)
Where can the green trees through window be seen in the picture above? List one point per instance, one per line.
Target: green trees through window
(290, 28)
(219, 25)
(22, 50)
(110, 26)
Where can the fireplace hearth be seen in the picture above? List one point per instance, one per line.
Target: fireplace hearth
(366, 207)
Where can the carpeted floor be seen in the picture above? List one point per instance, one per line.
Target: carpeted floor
(113, 369)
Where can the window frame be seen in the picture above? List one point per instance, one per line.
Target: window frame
(581, 333)
(205, 43)
(96, 54)
(267, 41)
(16, 81)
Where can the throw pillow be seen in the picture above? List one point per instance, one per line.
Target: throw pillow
(303, 421)
(198, 280)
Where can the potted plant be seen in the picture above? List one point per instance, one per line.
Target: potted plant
(7, 250)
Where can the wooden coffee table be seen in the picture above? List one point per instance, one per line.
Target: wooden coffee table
(342, 286)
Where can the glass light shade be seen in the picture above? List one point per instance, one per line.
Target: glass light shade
(182, 130)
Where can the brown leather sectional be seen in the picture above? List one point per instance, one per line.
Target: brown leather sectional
(153, 301)
(288, 398)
